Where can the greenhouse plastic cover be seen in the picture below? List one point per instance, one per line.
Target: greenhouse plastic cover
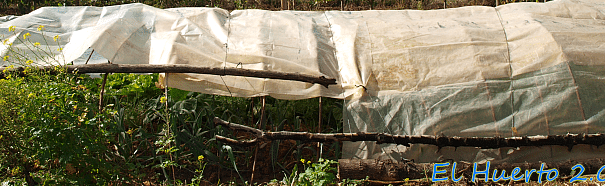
(514, 70)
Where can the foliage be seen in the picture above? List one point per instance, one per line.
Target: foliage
(54, 130)
(49, 124)
(319, 174)
(202, 166)
(316, 174)
(132, 85)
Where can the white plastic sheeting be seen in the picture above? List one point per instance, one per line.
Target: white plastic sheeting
(533, 68)
(515, 70)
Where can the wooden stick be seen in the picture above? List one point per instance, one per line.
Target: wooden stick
(319, 145)
(93, 51)
(102, 92)
(568, 140)
(102, 87)
(255, 132)
(183, 68)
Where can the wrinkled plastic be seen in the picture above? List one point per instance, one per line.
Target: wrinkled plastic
(514, 70)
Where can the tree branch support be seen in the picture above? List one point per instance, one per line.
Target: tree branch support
(568, 140)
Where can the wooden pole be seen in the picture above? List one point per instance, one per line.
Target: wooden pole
(182, 68)
(568, 140)
(319, 145)
(93, 51)
(262, 120)
(102, 88)
(283, 4)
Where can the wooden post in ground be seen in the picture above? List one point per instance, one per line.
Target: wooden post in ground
(102, 90)
(262, 120)
(319, 145)
(102, 87)
(283, 4)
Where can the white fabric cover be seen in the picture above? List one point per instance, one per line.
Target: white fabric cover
(536, 68)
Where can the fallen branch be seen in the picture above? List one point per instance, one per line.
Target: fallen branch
(389, 170)
(568, 140)
(183, 68)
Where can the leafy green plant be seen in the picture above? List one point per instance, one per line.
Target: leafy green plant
(132, 85)
(318, 174)
(52, 130)
(197, 180)
(48, 123)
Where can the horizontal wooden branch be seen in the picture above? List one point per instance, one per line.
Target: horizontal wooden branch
(568, 140)
(183, 68)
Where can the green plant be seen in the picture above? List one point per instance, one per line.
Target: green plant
(135, 86)
(318, 174)
(197, 180)
(292, 179)
(51, 132)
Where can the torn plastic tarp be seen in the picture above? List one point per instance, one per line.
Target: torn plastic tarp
(534, 68)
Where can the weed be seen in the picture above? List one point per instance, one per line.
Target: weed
(318, 174)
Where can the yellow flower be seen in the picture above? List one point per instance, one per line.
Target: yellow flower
(26, 35)
(15, 171)
(30, 95)
(29, 62)
(201, 158)
(37, 44)
(59, 49)
(11, 28)
(5, 58)
(302, 160)
(40, 28)
(130, 131)
(5, 41)
(308, 162)
(163, 100)
(56, 38)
